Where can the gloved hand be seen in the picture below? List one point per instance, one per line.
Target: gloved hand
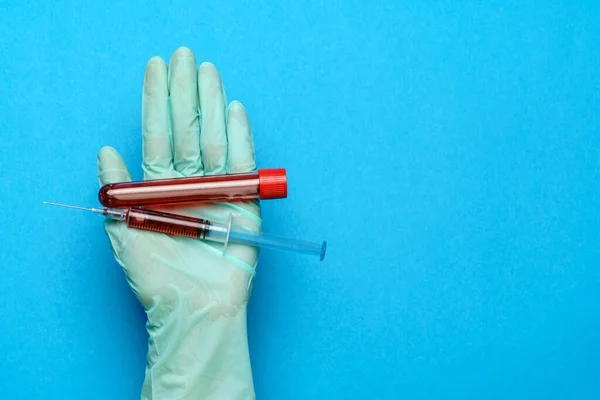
(195, 297)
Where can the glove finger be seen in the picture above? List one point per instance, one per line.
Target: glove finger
(240, 148)
(157, 157)
(240, 144)
(183, 97)
(213, 137)
(111, 167)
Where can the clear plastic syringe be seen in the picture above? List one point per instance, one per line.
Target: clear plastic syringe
(202, 229)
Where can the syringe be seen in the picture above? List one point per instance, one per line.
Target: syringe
(202, 229)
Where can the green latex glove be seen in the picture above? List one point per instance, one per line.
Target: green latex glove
(195, 297)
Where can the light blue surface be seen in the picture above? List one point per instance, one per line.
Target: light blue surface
(448, 154)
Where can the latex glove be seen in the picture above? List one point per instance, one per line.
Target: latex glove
(194, 296)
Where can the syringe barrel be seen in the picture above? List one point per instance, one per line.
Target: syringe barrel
(169, 224)
(265, 184)
(201, 229)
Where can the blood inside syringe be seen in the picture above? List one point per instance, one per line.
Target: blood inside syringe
(169, 224)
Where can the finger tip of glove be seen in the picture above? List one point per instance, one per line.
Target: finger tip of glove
(107, 151)
(111, 166)
(107, 157)
(155, 78)
(209, 71)
(156, 60)
(237, 112)
(155, 68)
(236, 106)
(207, 65)
(183, 51)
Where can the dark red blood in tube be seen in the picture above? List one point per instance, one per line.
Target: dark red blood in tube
(264, 184)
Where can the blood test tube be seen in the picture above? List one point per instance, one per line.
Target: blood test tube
(264, 184)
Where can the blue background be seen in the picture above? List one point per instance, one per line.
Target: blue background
(448, 153)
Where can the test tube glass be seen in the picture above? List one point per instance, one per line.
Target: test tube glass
(264, 185)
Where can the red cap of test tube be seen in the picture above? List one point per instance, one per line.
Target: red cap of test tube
(272, 184)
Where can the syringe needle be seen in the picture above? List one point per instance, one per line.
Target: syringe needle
(64, 205)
